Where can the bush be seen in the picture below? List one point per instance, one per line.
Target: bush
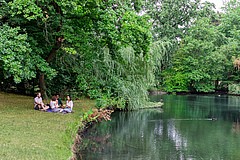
(234, 88)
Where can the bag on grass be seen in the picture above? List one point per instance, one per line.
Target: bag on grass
(36, 107)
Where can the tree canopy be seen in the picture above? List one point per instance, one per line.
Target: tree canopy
(115, 51)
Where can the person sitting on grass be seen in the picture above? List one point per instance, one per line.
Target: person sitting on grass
(69, 105)
(60, 104)
(54, 104)
(38, 103)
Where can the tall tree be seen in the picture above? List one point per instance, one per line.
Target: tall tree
(198, 58)
(171, 18)
(230, 27)
(230, 20)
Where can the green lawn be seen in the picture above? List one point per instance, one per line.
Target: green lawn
(29, 134)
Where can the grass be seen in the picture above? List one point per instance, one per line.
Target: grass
(29, 134)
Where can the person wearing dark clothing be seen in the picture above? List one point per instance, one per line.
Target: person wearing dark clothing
(60, 104)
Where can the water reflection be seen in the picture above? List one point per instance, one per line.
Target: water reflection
(96, 142)
(236, 127)
(183, 131)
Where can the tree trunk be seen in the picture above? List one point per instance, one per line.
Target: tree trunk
(58, 44)
(42, 87)
(216, 84)
(33, 88)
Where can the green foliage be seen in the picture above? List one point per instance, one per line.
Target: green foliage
(121, 82)
(64, 39)
(87, 116)
(14, 54)
(231, 71)
(107, 100)
(172, 21)
(161, 58)
(136, 34)
(175, 81)
(230, 27)
(197, 60)
(16, 57)
(102, 49)
(89, 85)
(162, 54)
(230, 20)
(234, 88)
(168, 17)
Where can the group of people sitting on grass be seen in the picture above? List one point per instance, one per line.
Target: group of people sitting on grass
(55, 105)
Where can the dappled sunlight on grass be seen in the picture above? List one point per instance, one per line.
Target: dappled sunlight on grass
(30, 134)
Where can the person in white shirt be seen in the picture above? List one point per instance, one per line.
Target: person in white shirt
(69, 105)
(38, 103)
(54, 104)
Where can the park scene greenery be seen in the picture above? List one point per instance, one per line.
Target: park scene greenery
(115, 51)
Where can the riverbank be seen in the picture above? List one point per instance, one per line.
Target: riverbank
(78, 142)
(188, 92)
(87, 122)
(30, 134)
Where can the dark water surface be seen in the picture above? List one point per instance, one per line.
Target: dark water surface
(184, 130)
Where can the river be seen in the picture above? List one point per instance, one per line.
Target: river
(184, 130)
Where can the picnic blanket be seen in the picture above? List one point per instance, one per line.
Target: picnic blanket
(49, 110)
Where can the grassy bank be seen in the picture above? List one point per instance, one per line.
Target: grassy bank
(29, 134)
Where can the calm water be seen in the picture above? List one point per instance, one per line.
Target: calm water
(183, 131)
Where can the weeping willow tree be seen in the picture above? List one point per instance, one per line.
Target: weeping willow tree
(162, 53)
(135, 74)
(161, 58)
(122, 82)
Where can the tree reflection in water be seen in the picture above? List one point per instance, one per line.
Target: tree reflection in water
(96, 141)
(236, 127)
